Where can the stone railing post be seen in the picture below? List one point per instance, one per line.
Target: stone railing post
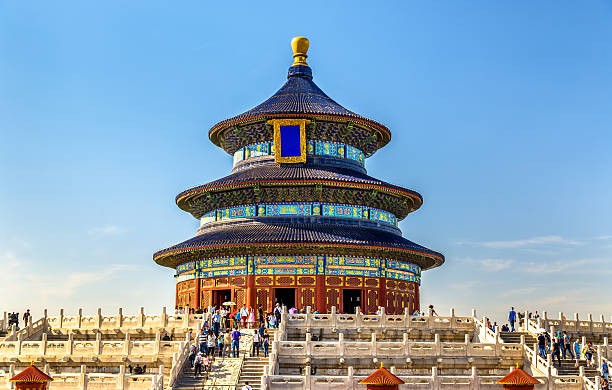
(590, 319)
(79, 318)
(11, 374)
(473, 313)
(475, 379)
(19, 341)
(98, 344)
(452, 317)
(126, 344)
(70, 344)
(308, 316)
(5, 322)
(383, 317)
(358, 315)
(525, 321)
(606, 347)
(373, 345)
(121, 378)
(141, 319)
(99, 318)
(438, 347)
(544, 318)
(45, 322)
(156, 347)
(119, 318)
(435, 380)
(496, 335)
(43, 345)
(163, 318)
(61, 318)
(351, 378)
(308, 344)
(83, 377)
(333, 316)
(406, 344)
(307, 378)
(160, 372)
(186, 317)
(536, 353)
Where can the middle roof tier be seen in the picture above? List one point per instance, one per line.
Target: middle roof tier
(270, 182)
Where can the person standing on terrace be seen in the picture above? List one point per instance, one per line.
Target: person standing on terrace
(567, 344)
(542, 345)
(577, 351)
(512, 318)
(236, 343)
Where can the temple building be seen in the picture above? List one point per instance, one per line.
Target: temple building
(298, 221)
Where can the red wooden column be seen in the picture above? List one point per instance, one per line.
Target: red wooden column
(251, 291)
(320, 303)
(198, 297)
(382, 294)
(417, 298)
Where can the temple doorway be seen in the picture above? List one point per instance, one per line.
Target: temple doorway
(351, 300)
(220, 296)
(285, 296)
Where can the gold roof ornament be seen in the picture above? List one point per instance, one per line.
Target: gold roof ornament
(300, 47)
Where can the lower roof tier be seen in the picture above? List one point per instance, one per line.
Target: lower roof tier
(259, 238)
(271, 182)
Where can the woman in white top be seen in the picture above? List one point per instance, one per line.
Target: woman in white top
(256, 342)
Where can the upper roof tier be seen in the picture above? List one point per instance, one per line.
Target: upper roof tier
(300, 97)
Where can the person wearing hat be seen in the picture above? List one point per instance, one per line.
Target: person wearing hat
(198, 364)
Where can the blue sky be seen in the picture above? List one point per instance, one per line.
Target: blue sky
(500, 114)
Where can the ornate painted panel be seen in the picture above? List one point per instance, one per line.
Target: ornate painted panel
(382, 216)
(289, 209)
(313, 147)
(285, 265)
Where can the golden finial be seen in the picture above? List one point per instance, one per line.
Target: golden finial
(382, 364)
(300, 47)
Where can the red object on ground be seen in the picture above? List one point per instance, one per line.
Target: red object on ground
(382, 379)
(31, 378)
(518, 379)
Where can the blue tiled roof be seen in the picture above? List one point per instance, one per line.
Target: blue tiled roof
(270, 171)
(300, 95)
(269, 233)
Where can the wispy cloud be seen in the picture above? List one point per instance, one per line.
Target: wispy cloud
(534, 241)
(22, 277)
(108, 230)
(496, 264)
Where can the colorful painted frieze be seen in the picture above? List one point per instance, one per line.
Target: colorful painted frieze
(289, 209)
(257, 150)
(354, 154)
(237, 212)
(334, 210)
(382, 216)
(313, 147)
(209, 217)
(218, 272)
(285, 265)
(400, 265)
(184, 277)
(222, 262)
(185, 267)
(402, 275)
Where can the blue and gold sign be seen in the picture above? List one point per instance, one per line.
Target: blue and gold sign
(289, 140)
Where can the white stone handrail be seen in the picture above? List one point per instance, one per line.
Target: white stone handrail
(538, 364)
(83, 380)
(484, 333)
(433, 381)
(71, 347)
(574, 325)
(359, 320)
(179, 359)
(374, 348)
(34, 328)
(121, 321)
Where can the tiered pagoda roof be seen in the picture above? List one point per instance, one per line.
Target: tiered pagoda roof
(325, 179)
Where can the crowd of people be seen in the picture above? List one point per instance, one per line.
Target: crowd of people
(222, 330)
